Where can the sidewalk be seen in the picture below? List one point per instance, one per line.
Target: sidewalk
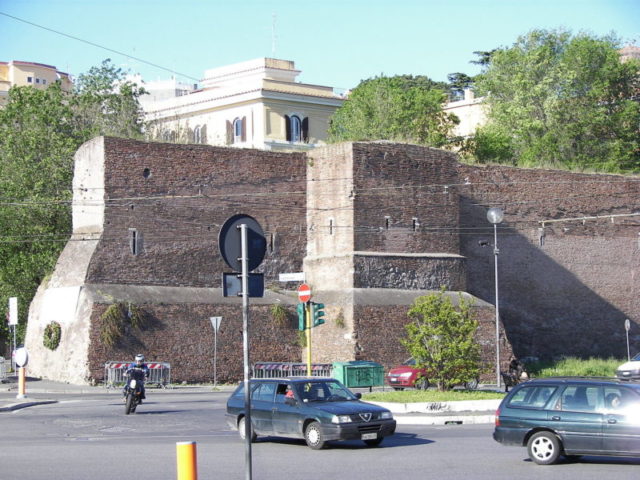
(41, 392)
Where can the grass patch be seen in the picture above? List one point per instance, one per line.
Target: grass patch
(566, 367)
(420, 396)
(575, 367)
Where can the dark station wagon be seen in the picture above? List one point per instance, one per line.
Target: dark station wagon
(571, 417)
(315, 409)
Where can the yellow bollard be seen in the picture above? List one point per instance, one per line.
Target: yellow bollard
(22, 381)
(187, 461)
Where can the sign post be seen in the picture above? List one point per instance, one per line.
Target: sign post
(13, 322)
(242, 246)
(215, 323)
(304, 295)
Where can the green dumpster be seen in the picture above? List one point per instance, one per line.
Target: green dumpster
(358, 373)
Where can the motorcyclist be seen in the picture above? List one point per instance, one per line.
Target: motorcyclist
(138, 364)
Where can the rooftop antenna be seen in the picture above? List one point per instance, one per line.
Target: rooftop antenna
(273, 35)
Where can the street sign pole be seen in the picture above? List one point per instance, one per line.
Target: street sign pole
(215, 323)
(308, 307)
(245, 345)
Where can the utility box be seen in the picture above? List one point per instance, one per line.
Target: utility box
(358, 373)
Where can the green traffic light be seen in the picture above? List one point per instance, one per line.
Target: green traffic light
(317, 313)
(302, 316)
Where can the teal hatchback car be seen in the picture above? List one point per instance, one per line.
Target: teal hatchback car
(314, 409)
(571, 417)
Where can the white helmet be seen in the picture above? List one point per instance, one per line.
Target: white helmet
(139, 358)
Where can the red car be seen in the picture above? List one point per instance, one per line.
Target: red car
(408, 376)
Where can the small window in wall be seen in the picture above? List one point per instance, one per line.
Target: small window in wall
(387, 223)
(29, 79)
(297, 129)
(331, 226)
(135, 241)
(415, 224)
(197, 134)
(44, 81)
(239, 134)
(37, 80)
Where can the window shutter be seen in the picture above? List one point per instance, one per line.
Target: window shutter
(287, 122)
(244, 129)
(229, 133)
(305, 130)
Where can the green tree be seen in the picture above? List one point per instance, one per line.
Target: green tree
(401, 108)
(105, 103)
(441, 339)
(561, 101)
(40, 130)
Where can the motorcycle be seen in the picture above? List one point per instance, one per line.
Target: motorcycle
(133, 389)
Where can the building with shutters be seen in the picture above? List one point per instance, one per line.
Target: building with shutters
(253, 104)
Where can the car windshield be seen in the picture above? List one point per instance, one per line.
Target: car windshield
(410, 363)
(323, 392)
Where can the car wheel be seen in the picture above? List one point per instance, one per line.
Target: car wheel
(544, 448)
(398, 388)
(472, 384)
(241, 430)
(373, 443)
(422, 383)
(313, 436)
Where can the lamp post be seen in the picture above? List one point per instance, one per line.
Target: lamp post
(495, 216)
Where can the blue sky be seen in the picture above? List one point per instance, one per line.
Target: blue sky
(333, 42)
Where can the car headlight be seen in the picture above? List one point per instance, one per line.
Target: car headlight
(340, 419)
(386, 415)
(406, 374)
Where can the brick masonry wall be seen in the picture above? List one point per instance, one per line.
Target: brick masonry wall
(569, 291)
(403, 182)
(183, 336)
(567, 296)
(178, 196)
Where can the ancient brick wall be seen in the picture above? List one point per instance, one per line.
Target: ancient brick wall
(567, 288)
(182, 335)
(177, 197)
(402, 200)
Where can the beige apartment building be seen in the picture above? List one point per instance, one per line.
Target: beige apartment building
(253, 104)
(37, 75)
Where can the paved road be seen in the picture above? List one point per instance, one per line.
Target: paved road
(87, 436)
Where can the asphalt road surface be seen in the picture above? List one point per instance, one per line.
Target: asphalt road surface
(88, 437)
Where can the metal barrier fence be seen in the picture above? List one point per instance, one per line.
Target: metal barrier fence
(284, 369)
(159, 374)
(4, 368)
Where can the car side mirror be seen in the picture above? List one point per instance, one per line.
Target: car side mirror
(358, 395)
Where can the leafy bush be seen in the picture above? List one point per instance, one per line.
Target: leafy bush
(441, 339)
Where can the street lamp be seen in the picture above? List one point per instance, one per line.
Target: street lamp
(495, 216)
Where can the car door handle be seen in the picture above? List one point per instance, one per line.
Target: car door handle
(612, 420)
(556, 418)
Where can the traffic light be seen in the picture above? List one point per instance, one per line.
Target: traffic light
(302, 316)
(317, 312)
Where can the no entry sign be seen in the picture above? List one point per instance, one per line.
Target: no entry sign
(304, 293)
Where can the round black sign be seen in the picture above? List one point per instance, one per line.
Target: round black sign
(230, 242)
